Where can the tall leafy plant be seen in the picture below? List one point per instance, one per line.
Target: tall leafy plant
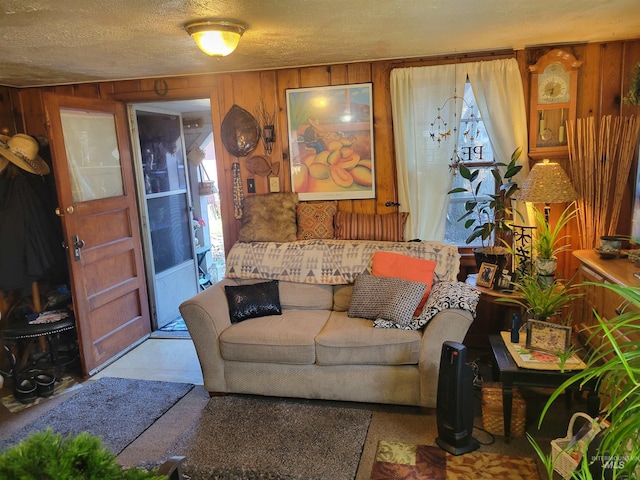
(615, 367)
(548, 241)
(489, 217)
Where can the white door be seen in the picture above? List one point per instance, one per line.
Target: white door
(165, 210)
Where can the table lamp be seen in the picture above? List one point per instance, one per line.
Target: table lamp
(547, 183)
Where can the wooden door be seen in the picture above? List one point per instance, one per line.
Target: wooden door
(97, 202)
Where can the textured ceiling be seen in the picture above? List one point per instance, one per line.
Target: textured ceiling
(49, 42)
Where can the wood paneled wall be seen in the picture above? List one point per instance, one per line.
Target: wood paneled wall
(603, 79)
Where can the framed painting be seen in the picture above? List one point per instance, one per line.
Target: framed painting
(331, 142)
(548, 337)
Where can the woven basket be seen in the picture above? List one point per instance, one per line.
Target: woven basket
(492, 413)
(565, 462)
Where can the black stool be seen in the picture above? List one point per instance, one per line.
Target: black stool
(22, 331)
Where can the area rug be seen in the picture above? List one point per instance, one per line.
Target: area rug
(264, 438)
(400, 461)
(116, 409)
(66, 385)
(175, 329)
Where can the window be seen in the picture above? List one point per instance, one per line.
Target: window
(474, 151)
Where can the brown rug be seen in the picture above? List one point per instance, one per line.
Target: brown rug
(256, 438)
(404, 461)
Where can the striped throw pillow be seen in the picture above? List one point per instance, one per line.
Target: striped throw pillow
(363, 226)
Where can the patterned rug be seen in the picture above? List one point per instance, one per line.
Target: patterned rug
(66, 385)
(174, 329)
(403, 461)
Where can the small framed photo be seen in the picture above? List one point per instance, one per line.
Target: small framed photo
(486, 275)
(548, 337)
(505, 281)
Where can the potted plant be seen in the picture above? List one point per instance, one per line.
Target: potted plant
(547, 242)
(542, 300)
(47, 455)
(490, 216)
(614, 365)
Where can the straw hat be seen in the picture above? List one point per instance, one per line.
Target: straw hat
(3, 162)
(22, 151)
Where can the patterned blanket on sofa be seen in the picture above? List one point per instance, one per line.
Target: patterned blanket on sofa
(331, 261)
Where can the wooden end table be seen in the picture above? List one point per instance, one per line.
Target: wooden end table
(509, 374)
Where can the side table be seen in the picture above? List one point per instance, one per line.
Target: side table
(509, 374)
(491, 315)
(23, 331)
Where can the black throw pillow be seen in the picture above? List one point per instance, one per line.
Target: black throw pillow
(252, 301)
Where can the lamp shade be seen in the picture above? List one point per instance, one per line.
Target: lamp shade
(217, 38)
(547, 183)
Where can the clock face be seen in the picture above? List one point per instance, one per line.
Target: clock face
(553, 85)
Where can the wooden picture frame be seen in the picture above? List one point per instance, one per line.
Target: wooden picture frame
(548, 337)
(331, 142)
(505, 281)
(486, 275)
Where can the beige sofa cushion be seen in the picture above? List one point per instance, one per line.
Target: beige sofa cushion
(308, 296)
(342, 297)
(354, 341)
(287, 338)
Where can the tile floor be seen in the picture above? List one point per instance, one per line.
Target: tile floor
(170, 360)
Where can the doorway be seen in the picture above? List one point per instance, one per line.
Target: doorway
(188, 256)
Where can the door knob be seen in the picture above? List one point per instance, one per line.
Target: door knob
(77, 244)
(69, 209)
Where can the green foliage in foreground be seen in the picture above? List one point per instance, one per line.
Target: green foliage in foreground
(48, 455)
(615, 366)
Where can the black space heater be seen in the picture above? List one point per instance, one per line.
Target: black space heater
(454, 409)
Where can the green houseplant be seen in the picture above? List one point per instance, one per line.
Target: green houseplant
(547, 243)
(542, 300)
(490, 216)
(47, 455)
(615, 366)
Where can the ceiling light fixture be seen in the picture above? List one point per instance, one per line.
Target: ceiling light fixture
(217, 38)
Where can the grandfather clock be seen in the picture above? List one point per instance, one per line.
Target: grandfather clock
(554, 87)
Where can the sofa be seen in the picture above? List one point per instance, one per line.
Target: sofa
(316, 348)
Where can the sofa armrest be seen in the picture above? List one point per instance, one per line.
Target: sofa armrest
(207, 316)
(448, 325)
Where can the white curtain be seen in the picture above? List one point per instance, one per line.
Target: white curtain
(422, 161)
(416, 94)
(497, 86)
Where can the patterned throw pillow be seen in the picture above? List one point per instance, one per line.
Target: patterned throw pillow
(253, 300)
(363, 226)
(315, 219)
(389, 264)
(391, 299)
(443, 295)
(269, 218)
